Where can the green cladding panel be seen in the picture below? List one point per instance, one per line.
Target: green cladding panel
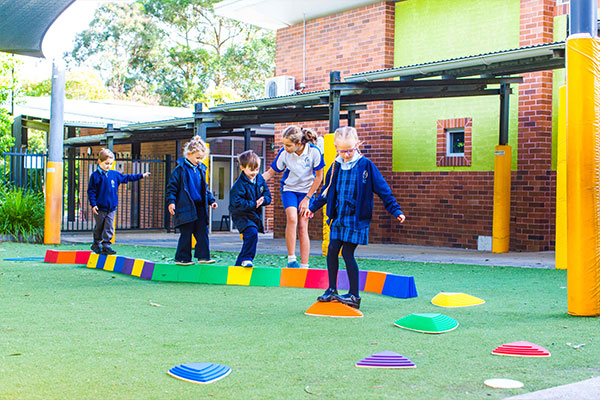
(433, 30)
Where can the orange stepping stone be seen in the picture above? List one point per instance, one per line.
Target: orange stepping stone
(333, 309)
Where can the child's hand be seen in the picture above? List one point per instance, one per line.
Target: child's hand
(146, 174)
(308, 214)
(401, 218)
(95, 210)
(214, 205)
(260, 200)
(172, 209)
(303, 207)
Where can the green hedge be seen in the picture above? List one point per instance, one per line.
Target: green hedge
(21, 214)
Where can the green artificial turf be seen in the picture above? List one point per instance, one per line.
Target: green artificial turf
(77, 333)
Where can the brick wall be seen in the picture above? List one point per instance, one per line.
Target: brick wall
(533, 185)
(353, 41)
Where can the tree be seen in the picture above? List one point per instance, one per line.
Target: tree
(8, 88)
(80, 84)
(180, 49)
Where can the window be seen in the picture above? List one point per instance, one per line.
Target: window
(454, 142)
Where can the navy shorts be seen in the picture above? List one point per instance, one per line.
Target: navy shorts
(291, 199)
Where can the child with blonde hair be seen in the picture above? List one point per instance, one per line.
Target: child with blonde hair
(302, 164)
(103, 196)
(348, 192)
(188, 200)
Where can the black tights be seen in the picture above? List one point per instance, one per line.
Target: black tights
(333, 263)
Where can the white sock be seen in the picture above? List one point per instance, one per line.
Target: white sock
(291, 259)
(303, 265)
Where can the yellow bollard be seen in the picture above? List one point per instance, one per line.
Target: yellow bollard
(560, 240)
(53, 209)
(501, 219)
(583, 176)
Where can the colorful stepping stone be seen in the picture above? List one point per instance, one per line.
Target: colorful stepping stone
(333, 309)
(427, 323)
(385, 359)
(203, 373)
(500, 383)
(521, 349)
(450, 300)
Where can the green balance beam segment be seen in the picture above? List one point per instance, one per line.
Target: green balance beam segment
(215, 274)
(190, 273)
(166, 273)
(265, 276)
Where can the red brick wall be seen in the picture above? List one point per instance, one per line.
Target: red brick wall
(533, 185)
(353, 41)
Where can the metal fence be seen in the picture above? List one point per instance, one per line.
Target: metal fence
(23, 170)
(141, 203)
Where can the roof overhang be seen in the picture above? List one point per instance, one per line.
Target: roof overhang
(276, 14)
(25, 23)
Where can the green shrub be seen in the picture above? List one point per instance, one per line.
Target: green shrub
(22, 214)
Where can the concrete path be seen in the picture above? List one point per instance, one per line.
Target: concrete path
(268, 245)
(584, 390)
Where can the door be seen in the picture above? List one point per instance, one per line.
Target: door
(220, 180)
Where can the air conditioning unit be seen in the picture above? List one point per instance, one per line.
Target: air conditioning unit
(280, 86)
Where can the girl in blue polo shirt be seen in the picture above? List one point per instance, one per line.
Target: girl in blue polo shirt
(302, 164)
(348, 192)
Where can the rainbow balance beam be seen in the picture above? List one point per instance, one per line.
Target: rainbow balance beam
(369, 281)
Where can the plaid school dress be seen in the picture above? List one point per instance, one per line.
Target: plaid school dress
(342, 228)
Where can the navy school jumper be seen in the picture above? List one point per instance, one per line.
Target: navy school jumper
(178, 194)
(242, 202)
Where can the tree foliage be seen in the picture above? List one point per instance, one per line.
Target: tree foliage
(8, 88)
(178, 49)
(80, 84)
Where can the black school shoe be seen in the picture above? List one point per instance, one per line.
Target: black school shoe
(327, 296)
(348, 299)
(96, 249)
(107, 251)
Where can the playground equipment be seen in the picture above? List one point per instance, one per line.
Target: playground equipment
(203, 373)
(333, 309)
(427, 323)
(521, 349)
(453, 300)
(369, 281)
(385, 359)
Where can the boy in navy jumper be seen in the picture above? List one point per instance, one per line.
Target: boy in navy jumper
(348, 192)
(103, 197)
(189, 199)
(248, 194)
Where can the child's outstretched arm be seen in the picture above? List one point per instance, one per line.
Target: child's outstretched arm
(384, 192)
(268, 174)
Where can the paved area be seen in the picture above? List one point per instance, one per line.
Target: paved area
(584, 390)
(268, 245)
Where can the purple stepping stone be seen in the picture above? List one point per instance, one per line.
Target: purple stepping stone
(385, 359)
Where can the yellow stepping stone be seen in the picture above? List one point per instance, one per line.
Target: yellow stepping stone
(445, 299)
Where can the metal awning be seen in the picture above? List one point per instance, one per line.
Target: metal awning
(25, 23)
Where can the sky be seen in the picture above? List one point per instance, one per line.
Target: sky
(60, 37)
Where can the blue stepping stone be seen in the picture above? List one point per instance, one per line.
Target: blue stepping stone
(202, 373)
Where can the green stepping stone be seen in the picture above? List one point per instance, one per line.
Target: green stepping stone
(427, 323)
(265, 276)
(215, 274)
(166, 273)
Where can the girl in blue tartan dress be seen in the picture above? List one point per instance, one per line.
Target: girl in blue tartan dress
(348, 192)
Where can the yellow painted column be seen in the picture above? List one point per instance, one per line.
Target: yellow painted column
(53, 209)
(583, 175)
(329, 153)
(501, 219)
(560, 240)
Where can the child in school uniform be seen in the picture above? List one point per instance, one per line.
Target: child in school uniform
(103, 197)
(188, 199)
(348, 192)
(248, 195)
(302, 164)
